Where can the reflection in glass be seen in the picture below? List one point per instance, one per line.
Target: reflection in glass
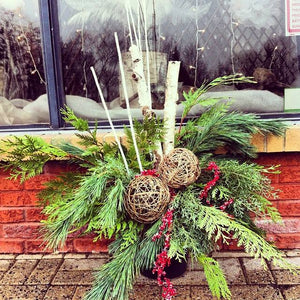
(210, 38)
(21, 66)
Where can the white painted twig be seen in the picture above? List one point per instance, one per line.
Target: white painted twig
(127, 101)
(147, 48)
(134, 27)
(170, 104)
(109, 119)
(129, 25)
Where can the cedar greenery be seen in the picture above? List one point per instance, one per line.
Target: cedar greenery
(92, 201)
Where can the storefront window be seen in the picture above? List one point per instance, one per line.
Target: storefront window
(210, 38)
(22, 79)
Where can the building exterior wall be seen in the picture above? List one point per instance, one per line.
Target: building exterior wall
(20, 214)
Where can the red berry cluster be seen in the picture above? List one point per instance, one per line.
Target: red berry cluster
(163, 260)
(167, 220)
(152, 172)
(211, 167)
(226, 204)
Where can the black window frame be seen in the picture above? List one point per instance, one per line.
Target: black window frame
(51, 49)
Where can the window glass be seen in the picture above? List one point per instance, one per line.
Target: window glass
(210, 38)
(22, 79)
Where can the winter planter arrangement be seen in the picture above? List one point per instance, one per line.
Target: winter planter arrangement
(163, 194)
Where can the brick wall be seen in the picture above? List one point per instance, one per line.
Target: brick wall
(20, 215)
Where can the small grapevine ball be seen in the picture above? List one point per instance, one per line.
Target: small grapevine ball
(179, 168)
(146, 199)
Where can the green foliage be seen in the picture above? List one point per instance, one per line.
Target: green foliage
(148, 133)
(78, 123)
(93, 201)
(73, 212)
(116, 278)
(247, 184)
(217, 127)
(218, 225)
(26, 155)
(194, 97)
(215, 277)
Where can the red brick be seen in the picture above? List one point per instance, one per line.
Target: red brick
(289, 225)
(87, 245)
(288, 191)
(11, 246)
(231, 246)
(1, 231)
(17, 198)
(34, 214)
(22, 230)
(273, 177)
(39, 246)
(289, 208)
(58, 167)
(290, 174)
(37, 182)
(9, 185)
(283, 159)
(11, 215)
(285, 241)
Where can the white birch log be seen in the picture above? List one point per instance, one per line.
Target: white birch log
(170, 105)
(109, 120)
(139, 76)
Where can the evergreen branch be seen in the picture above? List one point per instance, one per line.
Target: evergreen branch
(26, 156)
(194, 97)
(116, 278)
(215, 277)
(81, 125)
(219, 128)
(149, 133)
(77, 211)
(218, 225)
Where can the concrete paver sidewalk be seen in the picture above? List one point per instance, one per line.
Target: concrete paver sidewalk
(69, 276)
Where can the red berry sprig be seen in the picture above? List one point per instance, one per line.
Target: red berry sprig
(226, 204)
(212, 166)
(152, 172)
(162, 259)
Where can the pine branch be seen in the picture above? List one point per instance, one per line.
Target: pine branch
(219, 128)
(194, 97)
(77, 211)
(116, 278)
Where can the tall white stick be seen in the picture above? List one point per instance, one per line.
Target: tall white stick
(109, 119)
(147, 50)
(129, 26)
(134, 27)
(127, 102)
(170, 104)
